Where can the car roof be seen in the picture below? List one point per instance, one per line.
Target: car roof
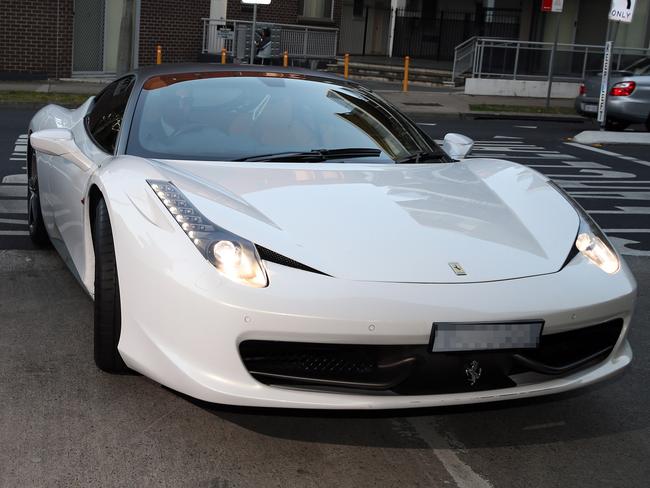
(145, 73)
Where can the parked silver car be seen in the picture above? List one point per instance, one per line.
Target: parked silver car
(629, 96)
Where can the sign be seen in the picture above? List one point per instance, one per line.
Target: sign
(552, 6)
(604, 84)
(622, 10)
(256, 2)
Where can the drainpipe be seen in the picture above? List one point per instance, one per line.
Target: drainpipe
(391, 33)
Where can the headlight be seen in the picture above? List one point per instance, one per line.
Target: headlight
(236, 258)
(591, 241)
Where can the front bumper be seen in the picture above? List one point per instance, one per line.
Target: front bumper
(182, 323)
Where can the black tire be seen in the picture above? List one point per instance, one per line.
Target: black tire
(35, 223)
(616, 125)
(108, 316)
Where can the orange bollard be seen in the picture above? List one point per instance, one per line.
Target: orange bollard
(224, 56)
(285, 59)
(346, 66)
(405, 84)
(158, 54)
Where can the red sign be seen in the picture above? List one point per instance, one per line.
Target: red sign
(552, 5)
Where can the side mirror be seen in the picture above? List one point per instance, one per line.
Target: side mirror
(60, 142)
(457, 146)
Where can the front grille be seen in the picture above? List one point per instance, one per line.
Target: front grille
(411, 370)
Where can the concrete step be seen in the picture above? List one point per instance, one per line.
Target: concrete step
(386, 75)
(387, 72)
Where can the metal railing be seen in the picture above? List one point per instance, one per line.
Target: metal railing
(300, 41)
(525, 60)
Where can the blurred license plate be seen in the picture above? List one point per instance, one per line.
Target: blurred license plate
(589, 108)
(451, 337)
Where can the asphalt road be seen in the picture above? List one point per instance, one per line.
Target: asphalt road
(64, 423)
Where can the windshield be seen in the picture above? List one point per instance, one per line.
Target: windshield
(237, 116)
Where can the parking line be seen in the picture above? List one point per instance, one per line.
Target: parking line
(608, 153)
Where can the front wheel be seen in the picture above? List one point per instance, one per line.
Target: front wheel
(108, 316)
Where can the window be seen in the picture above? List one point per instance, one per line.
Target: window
(105, 118)
(316, 9)
(212, 117)
(358, 8)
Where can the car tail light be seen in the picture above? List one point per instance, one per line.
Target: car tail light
(623, 89)
(583, 89)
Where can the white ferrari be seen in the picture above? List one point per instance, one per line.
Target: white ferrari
(272, 237)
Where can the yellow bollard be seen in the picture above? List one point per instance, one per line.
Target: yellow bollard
(285, 59)
(346, 66)
(224, 55)
(405, 84)
(158, 54)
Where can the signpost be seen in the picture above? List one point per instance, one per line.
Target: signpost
(620, 11)
(604, 85)
(555, 6)
(552, 6)
(254, 3)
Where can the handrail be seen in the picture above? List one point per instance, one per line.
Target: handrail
(513, 59)
(299, 41)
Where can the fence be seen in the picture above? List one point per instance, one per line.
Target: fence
(524, 60)
(300, 41)
(437, 36)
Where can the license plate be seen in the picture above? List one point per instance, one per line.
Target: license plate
(592, 109)
(454, 337)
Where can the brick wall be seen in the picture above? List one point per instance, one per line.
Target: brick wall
(280, 11)
(36, 38)
(176, 26)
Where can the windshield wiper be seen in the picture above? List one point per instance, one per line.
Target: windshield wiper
(316, 155)
(424, 157)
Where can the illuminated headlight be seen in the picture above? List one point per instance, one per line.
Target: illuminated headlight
(593, 244)
(234, 257)
(591, 241)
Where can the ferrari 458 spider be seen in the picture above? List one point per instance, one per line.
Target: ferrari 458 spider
(274, 237)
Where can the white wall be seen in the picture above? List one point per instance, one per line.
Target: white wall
(519, 88)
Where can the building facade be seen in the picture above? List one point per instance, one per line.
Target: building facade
(64, 38)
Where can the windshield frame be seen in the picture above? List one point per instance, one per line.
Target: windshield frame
(161, 80)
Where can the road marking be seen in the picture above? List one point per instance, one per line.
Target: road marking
(609, 153)
(623, 210)
(507, 137)
(13, 207)
(13, 191)
(13, 221)
(463, 474)
(19, 178)
(621, 245)
(526, 126)
(14, 233)
(548, 425)
(427, 124)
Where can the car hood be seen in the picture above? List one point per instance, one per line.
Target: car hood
(390, 223)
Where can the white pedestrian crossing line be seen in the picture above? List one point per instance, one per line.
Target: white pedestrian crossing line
(13, 194)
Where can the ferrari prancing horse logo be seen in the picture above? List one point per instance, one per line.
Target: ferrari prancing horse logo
(458, 269)
(473, 372)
